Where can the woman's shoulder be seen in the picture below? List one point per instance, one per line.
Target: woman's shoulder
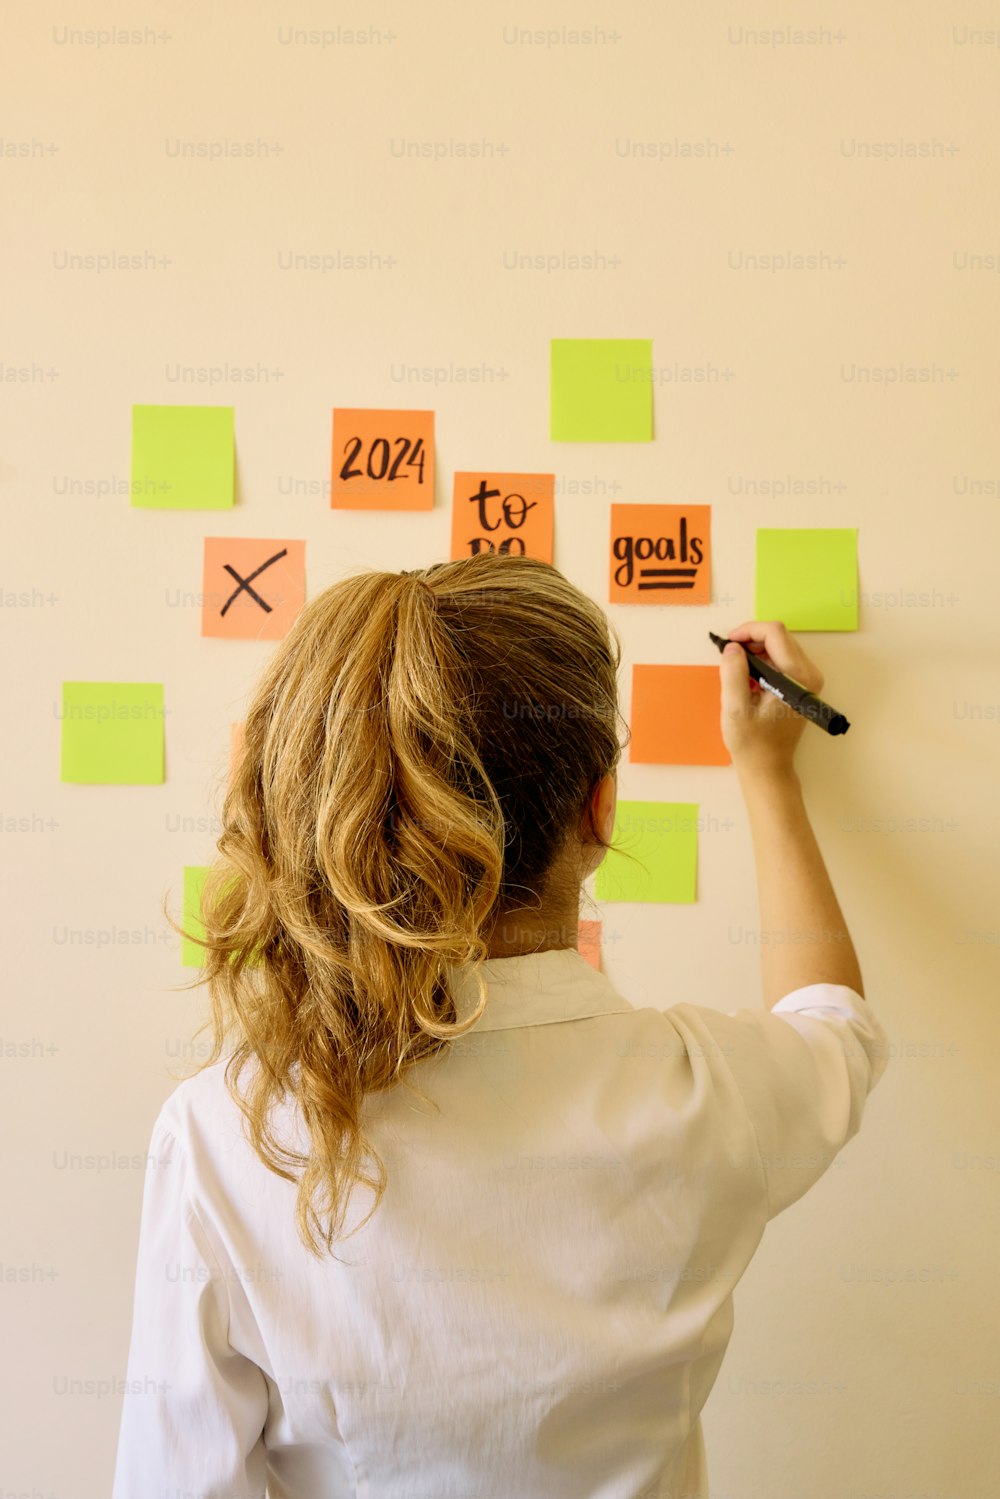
(201, 1108)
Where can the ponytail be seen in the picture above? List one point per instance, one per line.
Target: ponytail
(416, 753)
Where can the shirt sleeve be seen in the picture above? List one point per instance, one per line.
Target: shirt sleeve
(804, 1070)
(194, 1409)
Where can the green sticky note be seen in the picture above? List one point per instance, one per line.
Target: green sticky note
(193, 956)
(183, 457)
(602, 390)
(808, 578)
(661, 839)
(112, 733)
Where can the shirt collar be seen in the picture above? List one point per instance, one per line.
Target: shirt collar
(535, 989)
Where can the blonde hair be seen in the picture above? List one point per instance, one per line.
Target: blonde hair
(419, 749)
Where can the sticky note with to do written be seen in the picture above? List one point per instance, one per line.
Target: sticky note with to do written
(655, 857)
(509, 513)
(808, 577)
(601, 390)
(382, 460)
(660, 554)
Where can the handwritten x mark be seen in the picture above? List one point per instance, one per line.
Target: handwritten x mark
(245, 582)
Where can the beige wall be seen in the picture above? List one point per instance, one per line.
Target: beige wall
(863, 1361)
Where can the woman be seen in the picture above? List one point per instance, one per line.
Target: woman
(452, 1217)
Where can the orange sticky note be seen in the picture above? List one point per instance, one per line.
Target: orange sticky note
(511, 513)
(589, 942)
(253, 589)
(382, 460)
(675, 716)
(660, 554)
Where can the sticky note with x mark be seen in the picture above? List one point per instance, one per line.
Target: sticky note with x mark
(253, 589)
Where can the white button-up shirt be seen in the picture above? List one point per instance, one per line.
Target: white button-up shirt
(540, 1305)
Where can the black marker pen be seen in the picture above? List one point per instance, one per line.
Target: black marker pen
(789, 691)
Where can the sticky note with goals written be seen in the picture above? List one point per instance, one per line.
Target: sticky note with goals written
(655, 857)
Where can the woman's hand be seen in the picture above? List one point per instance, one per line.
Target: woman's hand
(759, 730)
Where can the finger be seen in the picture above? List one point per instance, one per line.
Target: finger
(771, 640)
(751, 634)
(761, 631)
(735, 682)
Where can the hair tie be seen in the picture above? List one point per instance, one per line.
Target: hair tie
(420, 582)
